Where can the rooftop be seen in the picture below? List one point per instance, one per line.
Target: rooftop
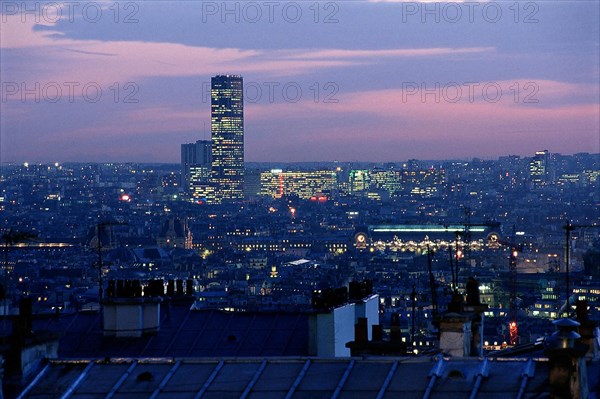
(186, 333)
(298, 378)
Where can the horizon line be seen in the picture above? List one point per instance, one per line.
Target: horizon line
(468, 159)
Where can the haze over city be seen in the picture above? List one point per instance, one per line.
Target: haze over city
(348, 81)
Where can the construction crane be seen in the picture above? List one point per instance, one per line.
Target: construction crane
(568, 228)
(513, 325)
(466, 233)
(514, 253)
(432, 285)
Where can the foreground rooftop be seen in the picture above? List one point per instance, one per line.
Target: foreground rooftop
(298, 378)
(186, 333)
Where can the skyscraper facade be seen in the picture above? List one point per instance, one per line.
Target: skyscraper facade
(227, 132)
(196, 164)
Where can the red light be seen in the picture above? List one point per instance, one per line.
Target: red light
(322, 199)
(125, 197)
(514, 332)
(313, 198)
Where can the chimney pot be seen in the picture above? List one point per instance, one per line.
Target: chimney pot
(377, 332)
(566, 333)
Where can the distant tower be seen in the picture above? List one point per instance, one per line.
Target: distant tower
(538, 169)
(227, 133)
(175, 233)
(196, 164)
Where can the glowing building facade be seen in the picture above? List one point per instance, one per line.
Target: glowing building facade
(303, 184)
(378, 183)
(227, 132)
(359, 181)
(538, 169)
(196, 164)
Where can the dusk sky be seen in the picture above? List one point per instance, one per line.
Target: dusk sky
(342, 81)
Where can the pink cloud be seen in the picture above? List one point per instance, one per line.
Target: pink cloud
(409, 52)
(106, 62)
(387, 124)
(381, 125)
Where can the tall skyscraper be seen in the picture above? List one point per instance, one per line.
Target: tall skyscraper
(227, 132)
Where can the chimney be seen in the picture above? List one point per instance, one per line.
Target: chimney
(473, 292)
(367, 303)
(179, 288)
(461, 329)
(189, 287)
(361, 330)
(377, 332)
(588, 329)
(171, 288)
(568, 373)
(395, 331)
(455, 334)
(26, 349)
(23, 323)
(332, 324)
(126, 313)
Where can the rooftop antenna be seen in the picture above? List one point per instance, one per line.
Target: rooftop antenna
(431, 281)
(413, 297)
(458, 256)
(512, 278)
(467, 231)
(452, 267)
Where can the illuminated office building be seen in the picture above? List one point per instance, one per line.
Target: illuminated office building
(388, 180)
(227, 131)
(200, 188)
(359, 181)
(196, 163)
(538, 169)
(303, 184)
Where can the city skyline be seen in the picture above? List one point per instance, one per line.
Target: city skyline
(354, 81)
(246, 198)
(177, 161)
